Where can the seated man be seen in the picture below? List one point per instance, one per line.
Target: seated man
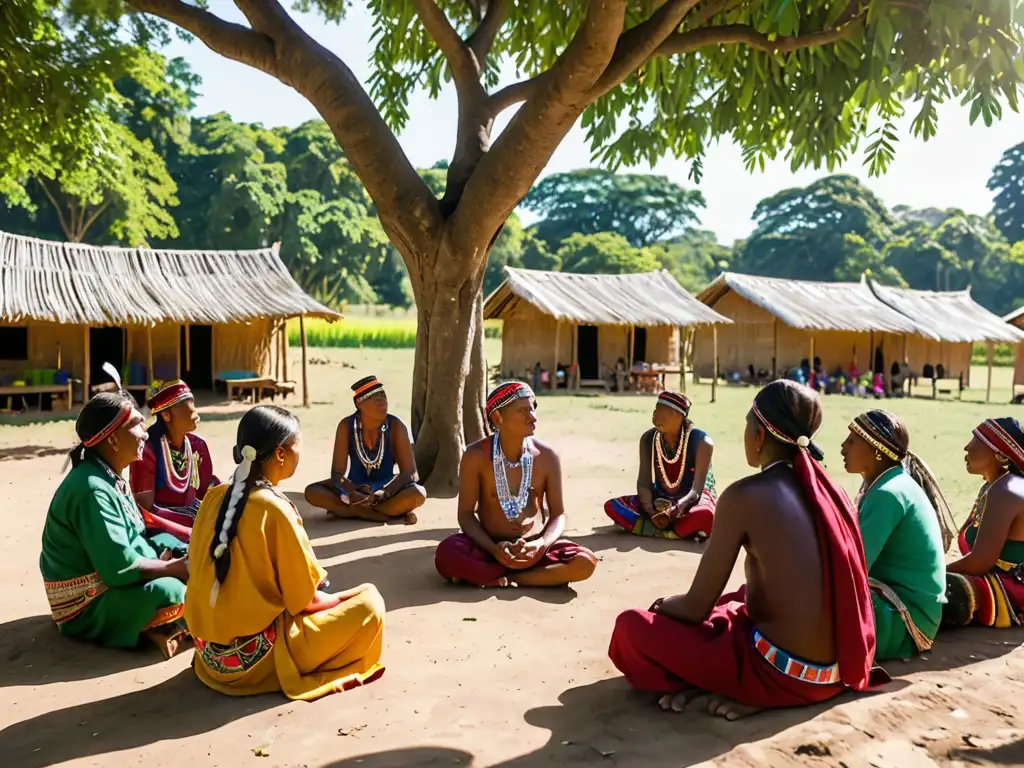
(801, 630)
(508, 535)
(675, 488)
(367, 447)
(105, 580)
(906, 527)
(986, 585)
(176, 469)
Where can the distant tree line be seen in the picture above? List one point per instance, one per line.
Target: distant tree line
(170, 179)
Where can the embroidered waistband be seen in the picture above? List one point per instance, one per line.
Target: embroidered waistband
(819, 674)
(921, 641)
(69, 598)
(241, 655)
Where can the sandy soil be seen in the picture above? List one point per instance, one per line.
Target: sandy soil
(517, 678)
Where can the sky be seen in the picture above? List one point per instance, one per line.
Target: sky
(950, 170)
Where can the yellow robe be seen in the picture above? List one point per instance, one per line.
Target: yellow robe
(255, 638)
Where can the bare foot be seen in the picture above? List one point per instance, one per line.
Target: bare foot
(499, 583)
(719, 706)
(676, 702)
(410, 518)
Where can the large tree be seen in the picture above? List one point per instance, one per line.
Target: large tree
(802, 78)
(1007, 181)
(643, 208)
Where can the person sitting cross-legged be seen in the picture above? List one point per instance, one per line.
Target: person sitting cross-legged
(367, 447)
(800, 630)
(675, 487)
(510, 536)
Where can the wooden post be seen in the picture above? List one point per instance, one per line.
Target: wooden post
(188, 346)
(714, 364)
(775, 349)
(553, 375)
(88, 369)
(305, 372)
(177, 353)
(275, 343)
(682, 359)
(284, 350)
(58, 356)
(149, 354)
(988, 387)
(575, 353)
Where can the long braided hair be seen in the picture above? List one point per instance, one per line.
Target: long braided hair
(260, 432)
(888, 435)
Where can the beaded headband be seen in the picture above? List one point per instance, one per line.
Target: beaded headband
(115, 424)
(870, 432)
(803, 442)
(675, 401)
(366, 388)
(995, 436)
(164, 395)
(507, 393)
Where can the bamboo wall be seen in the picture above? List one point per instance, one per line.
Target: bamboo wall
(43, 339)
(528, 337)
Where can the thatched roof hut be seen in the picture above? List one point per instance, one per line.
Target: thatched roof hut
(956, 323)
(1016, 319)
(585, 323)
(69, 307)
(779, 322)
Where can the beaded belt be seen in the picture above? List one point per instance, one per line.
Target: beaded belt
(69, 598)
(239, 656)
(819, 674)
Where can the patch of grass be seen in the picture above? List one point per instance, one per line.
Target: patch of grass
(367, 332)
(1003, 355)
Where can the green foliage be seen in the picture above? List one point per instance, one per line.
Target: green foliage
(642, 208)
(604, 253)
(1007, 181)
(694, 259)
(367, 332)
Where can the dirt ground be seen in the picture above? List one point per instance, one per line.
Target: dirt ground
(474, 677)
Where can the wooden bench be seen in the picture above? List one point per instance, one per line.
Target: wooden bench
(282, 388)
(947, 386)
(236, 388)
(59, 390)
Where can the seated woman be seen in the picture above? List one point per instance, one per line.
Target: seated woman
(254, 606)
(906, 527)
(176, 469)
(105, 580)
(367, 447)
(675, 488)
(986, 585)
(800, 631)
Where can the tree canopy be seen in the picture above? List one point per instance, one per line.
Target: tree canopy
(1007, 181)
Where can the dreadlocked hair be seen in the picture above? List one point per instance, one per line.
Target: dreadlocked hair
(260, 432)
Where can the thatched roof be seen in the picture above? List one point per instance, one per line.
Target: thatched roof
(648, 299)
(950, 316)
(813, 306)
(84, 284)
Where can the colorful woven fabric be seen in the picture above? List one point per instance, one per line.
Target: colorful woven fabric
(675, 401)
(167, 394)
(366, 388)
(791, 666)
(1005, 437)
(506, 393)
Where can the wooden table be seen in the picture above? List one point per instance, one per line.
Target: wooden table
(39, 389)
(648, 381)
(256, 384)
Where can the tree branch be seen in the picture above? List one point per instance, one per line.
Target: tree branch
(228, 39)
(515, 93)
(708, 11)
(87, 225)
(695, 39)
(465, 67)
(482, 39)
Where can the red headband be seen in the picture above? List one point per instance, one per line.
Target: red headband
(999, 440)
(172, 393)
(675, 401)
(116, 423)
(507, 393)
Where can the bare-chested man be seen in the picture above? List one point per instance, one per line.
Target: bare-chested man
(367, 447)
(508, 536)
(801, 630)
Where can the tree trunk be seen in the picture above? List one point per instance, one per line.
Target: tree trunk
(448, 376)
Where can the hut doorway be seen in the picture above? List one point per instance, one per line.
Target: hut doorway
(106, 345)
(197, 356)
(639, 346)
(586, 342)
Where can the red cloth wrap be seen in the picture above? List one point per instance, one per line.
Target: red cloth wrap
(659, 654)
(458, 557)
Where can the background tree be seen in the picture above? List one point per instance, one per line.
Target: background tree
(804, 79)
(1007, 181)
(604, 253)
(694, 259)
(642, 208)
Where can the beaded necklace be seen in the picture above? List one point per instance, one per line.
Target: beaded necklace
(659, 460)
(179, 479)
(370, 464)
(512, 506)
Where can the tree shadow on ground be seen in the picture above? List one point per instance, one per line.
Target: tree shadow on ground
(35, 653)
(22, 452)
(608, 537)
(1005, 754)
(132, 720)
(421, 757)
